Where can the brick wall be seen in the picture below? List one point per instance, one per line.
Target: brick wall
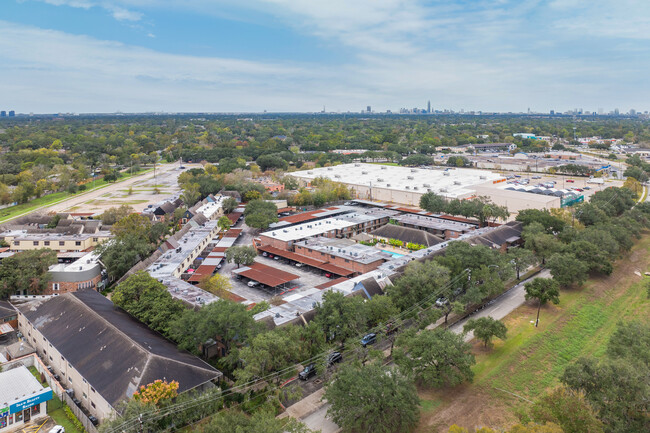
(68, 286)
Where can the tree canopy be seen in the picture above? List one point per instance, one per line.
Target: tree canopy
(434, 358)
(372, 398)
(260, 214)
(26, 272)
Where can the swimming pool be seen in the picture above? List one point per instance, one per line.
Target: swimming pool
(396, 255)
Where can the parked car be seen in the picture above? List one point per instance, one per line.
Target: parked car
(441, 302)
(253, 283)
(299, 265)
(265, 254)
(77, 401)
(570, 180)
(93, 420)
(57, 429)
(334, 357)
(587, 187)
(328, 275)
(308, 372)
(537, 177)
(276, 258)
(369, 339)
(579, 189)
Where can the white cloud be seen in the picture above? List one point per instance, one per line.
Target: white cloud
(490, 55)
(118, 12)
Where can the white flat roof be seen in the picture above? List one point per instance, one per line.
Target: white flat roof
(17, 385)
(339, 222)
(84, 263)
(211, 208)
(450, 182)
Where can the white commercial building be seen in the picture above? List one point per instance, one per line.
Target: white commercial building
(22, 398)
(403, 184)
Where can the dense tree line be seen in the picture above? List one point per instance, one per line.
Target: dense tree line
(43, 155)
(480, 208)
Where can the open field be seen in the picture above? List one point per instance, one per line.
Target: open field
(531, 360)
(62, 197)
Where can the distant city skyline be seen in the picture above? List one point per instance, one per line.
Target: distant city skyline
(93, 56)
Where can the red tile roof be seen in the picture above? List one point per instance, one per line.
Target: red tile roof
(267, 275)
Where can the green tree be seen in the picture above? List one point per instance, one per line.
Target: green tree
(260, 214)
(132, 225)
(115, 214)
(26, 272)
(261, 421)
(252, 195)
(567, 269)
(149, 301)
(271, 351)
(432, 202)
(229, 204)
(544, 290)
(551, 224)
(241, 255)
(229, 322)
(191, 194)
(216, 284)
(542, 244)
(121, 254)
(521, 259)
(419, 281)
(224, 223)
(568, 409)
(486, 328)
(372, 398)
(435, 357)
(341, 317)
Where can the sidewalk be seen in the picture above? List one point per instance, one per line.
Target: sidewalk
(306, 406)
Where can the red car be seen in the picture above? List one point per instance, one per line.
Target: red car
(570, 180)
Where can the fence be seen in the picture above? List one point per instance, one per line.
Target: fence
(34, 361)
(76, 410)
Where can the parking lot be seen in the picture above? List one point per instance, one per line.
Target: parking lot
(309, 277)
(560, 182)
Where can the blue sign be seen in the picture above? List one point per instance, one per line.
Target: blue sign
(31, 401)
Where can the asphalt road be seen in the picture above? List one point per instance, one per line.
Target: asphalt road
(498, 309)
(501, 306)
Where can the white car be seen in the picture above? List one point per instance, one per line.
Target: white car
(299, 265)
(252, 283)
(57, 429)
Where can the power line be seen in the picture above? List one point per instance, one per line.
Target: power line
(155, 414)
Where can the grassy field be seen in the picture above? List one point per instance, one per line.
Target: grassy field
(55, 408)
(54, 198)
(531, 360)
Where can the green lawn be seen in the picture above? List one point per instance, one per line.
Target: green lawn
(55, 408)
(531, 360)
(54, 198)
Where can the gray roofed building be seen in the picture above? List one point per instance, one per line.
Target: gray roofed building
(105, 350)
(501, 237)
(407, 234)
(7, 311)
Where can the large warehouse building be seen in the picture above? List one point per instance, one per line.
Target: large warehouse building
(406, 185)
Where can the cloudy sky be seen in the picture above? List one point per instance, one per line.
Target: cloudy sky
(301, 55)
